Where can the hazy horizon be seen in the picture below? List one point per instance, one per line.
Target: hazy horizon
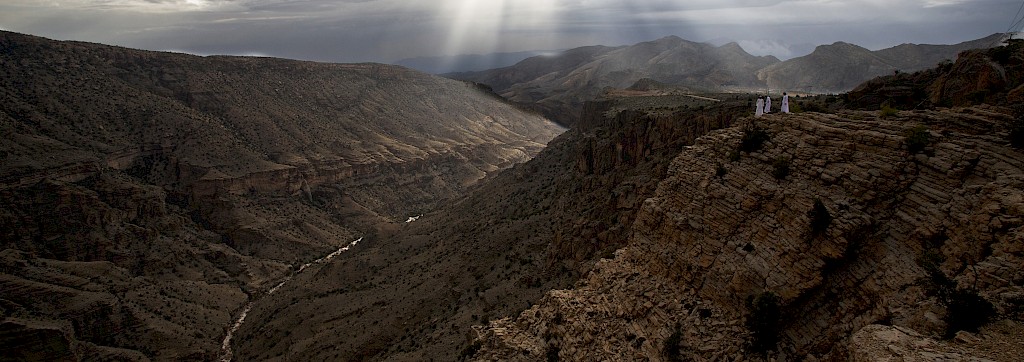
(391, 30)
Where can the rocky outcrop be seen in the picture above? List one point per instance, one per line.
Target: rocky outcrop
(998, 341)
(620, 311)
(992, 76)
(726, 225)
(119, 269)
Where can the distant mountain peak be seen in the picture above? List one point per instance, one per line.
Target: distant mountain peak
(733, 46)
(670, 40)
(840, 45)
(840, 66)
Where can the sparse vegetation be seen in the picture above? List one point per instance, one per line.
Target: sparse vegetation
(763, 321)
(917, 139)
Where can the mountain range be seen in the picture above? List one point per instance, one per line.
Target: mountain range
(558, 84)
(840, 67)
(468, 62)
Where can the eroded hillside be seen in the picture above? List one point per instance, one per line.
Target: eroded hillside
(147, 196)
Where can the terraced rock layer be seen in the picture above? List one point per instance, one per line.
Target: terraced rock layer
(723, 228)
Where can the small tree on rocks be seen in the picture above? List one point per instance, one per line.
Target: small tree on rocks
(763, 321)
(820, 218)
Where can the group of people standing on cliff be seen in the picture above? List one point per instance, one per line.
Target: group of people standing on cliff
(764, 105)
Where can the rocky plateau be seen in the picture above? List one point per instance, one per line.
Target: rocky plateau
(725, 225)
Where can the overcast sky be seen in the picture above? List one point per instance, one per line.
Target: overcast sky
(388, 30)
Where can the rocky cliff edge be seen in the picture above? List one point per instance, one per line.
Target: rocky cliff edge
(923, 211)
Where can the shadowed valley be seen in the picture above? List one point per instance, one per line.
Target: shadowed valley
(147, 196)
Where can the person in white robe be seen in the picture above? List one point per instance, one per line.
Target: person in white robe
(785, 103)
(767, 104)
(759, 107)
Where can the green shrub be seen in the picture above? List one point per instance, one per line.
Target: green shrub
(720, 170)
(763, 321)
(917, 139)
(753, 138)
(820, 218)
(887, 111)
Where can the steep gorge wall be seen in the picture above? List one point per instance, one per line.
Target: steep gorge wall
(720, 231)
(414, 293)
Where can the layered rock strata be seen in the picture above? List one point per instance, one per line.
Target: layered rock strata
(727, 225)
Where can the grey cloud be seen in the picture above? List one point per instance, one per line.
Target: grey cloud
(387, 30)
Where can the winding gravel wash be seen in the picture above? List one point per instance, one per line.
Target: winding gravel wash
(225, 347)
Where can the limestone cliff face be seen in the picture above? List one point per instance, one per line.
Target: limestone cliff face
(721, 229)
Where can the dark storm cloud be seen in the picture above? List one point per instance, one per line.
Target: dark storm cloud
(385, 30)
